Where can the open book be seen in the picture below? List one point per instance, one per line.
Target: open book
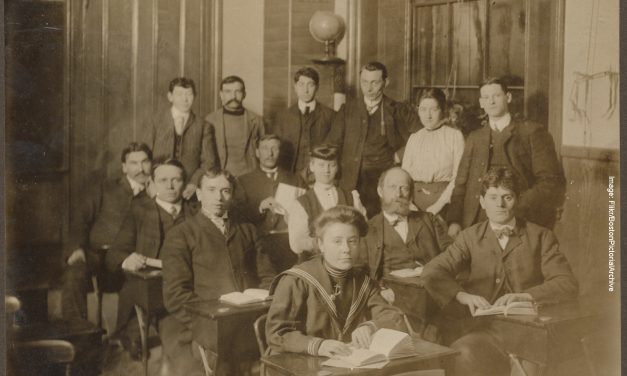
(247, 297)
(515, 308)
(386, 344)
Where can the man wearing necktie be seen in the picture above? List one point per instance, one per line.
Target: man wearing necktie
(372, 131)
(524, 147)
(97, 225)
(303, 125)
(400, 238)
(504, 259)
(176, 133)
(139, 240)
(258, 203)
(208, 255)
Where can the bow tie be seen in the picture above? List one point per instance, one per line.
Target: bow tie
(504, 231)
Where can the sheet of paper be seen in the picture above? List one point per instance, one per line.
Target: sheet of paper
(286, 194)
(154, 263)
(342, 364)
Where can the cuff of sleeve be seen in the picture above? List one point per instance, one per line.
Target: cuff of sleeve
(314, 345)
(371, 324)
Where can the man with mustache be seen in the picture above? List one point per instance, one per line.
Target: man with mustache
(258, 203)
(176, 133)
(372, 131)
(100, 221)
(208, 255)
(140, 238)
(236, 128)
(399, 238)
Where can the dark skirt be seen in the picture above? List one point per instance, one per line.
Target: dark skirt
(426, 194)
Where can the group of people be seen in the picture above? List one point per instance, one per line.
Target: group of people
(383, 186)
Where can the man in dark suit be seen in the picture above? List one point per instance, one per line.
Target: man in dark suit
(176, 133)
(258, 189)
(211, 254)
(399, 238)
(236, 128)
(524, 147)
(504, 259)
(100, 220)
(140, 238)
(303, 125)
(372, 132)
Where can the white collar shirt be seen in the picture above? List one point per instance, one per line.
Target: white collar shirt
(173, 208)
(180, 119)
(501, 123)
(326, 194)
(302, 106)
(135, 186)
(399, 223)
(504, 239)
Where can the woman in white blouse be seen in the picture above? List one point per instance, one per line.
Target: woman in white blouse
(433, 153)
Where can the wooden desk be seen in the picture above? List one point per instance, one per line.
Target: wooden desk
(431, 356)
(550, 338)
(225, 331)
(411, 297)
(145, 287)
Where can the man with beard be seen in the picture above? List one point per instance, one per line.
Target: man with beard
(259, 206)
(208, 255)
(99, 223)
(372, 132)
(236, 128)
(176, 133)
(304, 124)
(399, 238)
(140, 238)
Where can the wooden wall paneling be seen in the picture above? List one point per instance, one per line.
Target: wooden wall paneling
(582, 230)
(167, 59)
(367, 32)
(276, 64)
(145, 88)
(537, 59)
(391, 45)
(440, 33)
(509, 23)
(192, 46)
(468, 24)
(119, 82)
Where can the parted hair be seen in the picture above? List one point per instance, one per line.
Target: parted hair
(495, 81)
(216, 171)
(232, 79)
(499, 177)
(134, 147)
(340, 214)
(182, 82)
(376, 66)
(266, 137)
(434, 93)
(167, 162)
(307, 72)
(326, 152)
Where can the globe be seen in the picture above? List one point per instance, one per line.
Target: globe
(325, 26)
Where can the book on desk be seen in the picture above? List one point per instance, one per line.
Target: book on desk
(386, 344)
(514, 308)
(248, 296)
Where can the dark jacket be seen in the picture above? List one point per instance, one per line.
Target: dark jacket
(531, 153)
(426, 238)
(350, 127)
(531, 263)
(197, 152)
(290, 124)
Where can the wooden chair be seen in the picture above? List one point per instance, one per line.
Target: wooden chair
(260, 334)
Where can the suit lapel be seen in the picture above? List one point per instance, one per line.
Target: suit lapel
(514, 241)
(189, 122)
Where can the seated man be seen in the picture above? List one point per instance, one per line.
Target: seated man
(300, 319)
(206, 256)
(399, 238)
(141, 236)
(98, 224)
(323, 195)
(506, 259)
(259, 206)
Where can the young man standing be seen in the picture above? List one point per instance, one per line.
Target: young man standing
(524, 147)
(304, 124)
(176, 133)
(504, 259)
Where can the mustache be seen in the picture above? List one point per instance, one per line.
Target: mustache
(233, 101)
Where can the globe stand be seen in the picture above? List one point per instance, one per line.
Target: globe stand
(329, 59)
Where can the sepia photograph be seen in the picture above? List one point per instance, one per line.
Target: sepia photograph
(312, 187)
